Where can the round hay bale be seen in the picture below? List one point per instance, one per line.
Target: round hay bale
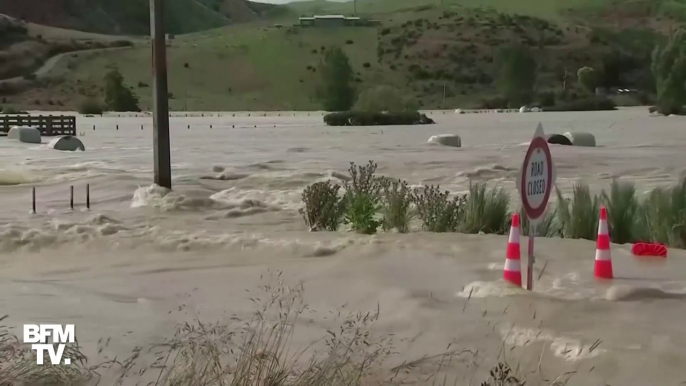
(452, 140)
(559, 139)
(24, 134)
(459, 111)
(67, 143)
(523, 109)
(581, 139)
(536, 110)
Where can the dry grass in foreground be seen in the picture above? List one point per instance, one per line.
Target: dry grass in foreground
(258, 352)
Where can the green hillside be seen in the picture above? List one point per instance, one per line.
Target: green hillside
(130, 17)
(427, 52)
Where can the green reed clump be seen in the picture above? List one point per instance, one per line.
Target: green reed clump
(486, 210)
(578, 217)
(397, 201)
(437, 211)
(548, 227)
(662, 216)
(323, 206)
(622, 212)
(363, 198)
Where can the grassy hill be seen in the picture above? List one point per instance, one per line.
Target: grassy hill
(129, 17)
(425, 51)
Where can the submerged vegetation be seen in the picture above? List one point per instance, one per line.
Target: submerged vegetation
(371, 202)
(258, 351)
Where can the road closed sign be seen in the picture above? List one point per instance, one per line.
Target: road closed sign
(537, 177)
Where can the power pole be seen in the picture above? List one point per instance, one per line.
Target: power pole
(162, 156)
(354, 7)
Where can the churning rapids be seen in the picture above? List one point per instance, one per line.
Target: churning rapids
(124, 268)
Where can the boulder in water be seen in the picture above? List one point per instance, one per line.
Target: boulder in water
(581, 139)
(67, 143)
(452, 140)
(24, 134)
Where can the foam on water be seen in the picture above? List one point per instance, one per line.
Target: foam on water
(562, 347)
(17, 176)
(482, 289)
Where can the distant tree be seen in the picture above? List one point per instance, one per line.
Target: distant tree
(117, 96)
(517, 74)
(90, 106)
(384, 98)
(337, 91)
(669, 71)
(588, 79)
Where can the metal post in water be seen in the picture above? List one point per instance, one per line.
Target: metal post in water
(34, 199)
(162, 156)
(530, 265)
(71, 197)
(88, 196)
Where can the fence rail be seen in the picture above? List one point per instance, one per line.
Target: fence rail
(48, 125)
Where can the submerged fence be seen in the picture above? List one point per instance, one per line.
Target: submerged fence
(47, 125)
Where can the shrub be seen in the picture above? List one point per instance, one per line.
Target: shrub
(517, 74)
(384, 98)
(669, 71)
(323, 206)
(30, 76)
(486, 210)
(117, 96)
(397, 198)
(349, 42)
(366, 65)
(363, 198)
(337, 92)
(359, 118)
(12, 110)
(586, 104)
(90, 107)
(122, 43)
(546, 99)
(588, 79)
(437, 211)
(578, 217)
(494, 103)
(622, 212)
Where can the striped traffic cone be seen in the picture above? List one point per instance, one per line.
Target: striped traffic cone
(513, 272)
(603, 258)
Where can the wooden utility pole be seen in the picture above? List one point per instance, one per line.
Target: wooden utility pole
(162, 156)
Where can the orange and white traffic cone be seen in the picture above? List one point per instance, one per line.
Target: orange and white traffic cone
(513, 271)
(603, 257)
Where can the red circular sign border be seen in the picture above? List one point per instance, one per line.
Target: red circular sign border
(536, 143)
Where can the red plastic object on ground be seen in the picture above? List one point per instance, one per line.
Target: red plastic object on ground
(649, 249)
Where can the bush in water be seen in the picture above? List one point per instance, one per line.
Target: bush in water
(359, 118)
(363, 198)
(578, 217)
(323, 206)
(397, 201)
(437, 211)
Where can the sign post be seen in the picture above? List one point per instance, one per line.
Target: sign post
(535, 182)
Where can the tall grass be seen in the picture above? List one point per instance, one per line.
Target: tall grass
(622, 212)
(548, 227)
(486, 210)
(662, 216)
(578, 217)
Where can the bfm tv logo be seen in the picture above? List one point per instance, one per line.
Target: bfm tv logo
(37, 335)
